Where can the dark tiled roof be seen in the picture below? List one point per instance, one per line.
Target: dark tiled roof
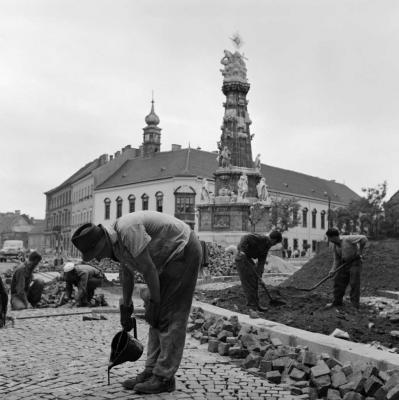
(394, 200)
(8, 220)
(81, 173)
(296, 183)
(192, 162)
(185, 162)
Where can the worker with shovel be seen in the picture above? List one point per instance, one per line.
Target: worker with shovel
(348, 250)
(168, 254)
(254, 246)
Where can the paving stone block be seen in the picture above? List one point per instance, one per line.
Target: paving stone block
(347, 368)
(265, 365)
(251, 361)
(204, 339)
(333, 394)
(347, 387)
(197, 335)
(322, 383)
(271, 354)
(297, 374)
(320, 369)
(369, 371)
(371, 385)
(309, 358)
(359, 382)
(280, 363)
(380, 394)
(223, 335)
(276, 341)
(273, 376)
(238, 352)
(391, 382)
(228, 326)
(223, 348)
(383, 375)
(231, 340)
(296, 391)
(353, 396)
(332, 362)
(198, 323)
(338, 379)
(250, 342)
(393, 393)
(213, 345)
(190, 328)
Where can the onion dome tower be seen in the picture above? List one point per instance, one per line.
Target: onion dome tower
(151, 134)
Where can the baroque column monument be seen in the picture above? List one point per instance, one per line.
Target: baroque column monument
(226, 216)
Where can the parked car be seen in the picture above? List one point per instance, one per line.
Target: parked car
(12, 249)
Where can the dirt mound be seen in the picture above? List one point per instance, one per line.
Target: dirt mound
(306, 311)
(380, 269)
(278, 265)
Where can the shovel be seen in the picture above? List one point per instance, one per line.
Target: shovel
(327, 277)
(272, 302)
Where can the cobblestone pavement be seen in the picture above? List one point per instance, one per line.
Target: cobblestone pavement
(64, 357)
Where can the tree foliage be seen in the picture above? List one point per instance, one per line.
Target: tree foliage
(281, 215)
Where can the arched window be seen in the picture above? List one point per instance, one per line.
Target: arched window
(132, 202)
(314, 214)
(107, 208)
(144, 201)
(305, 217)
(323, 219)
(159, 201)
(119, 202)
(185, 204)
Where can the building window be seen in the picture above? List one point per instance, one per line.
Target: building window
(132, 202)
(305, 217)
(107, 208)
(185, 204)
(285, 243)
(144, 201)
(314, 215)
(159, 201)
(118, 207)
(314, 245)
(323, 219)
(295, 244)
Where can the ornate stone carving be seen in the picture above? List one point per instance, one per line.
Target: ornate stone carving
(242, 187)
(263, 193)
(234, 67)
(257, 162)
(205, 193)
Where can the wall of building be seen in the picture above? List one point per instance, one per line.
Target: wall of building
(167, 187)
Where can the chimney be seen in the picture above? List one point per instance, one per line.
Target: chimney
(103, 159)
(111, 157)
(117, 154)
(126, 148)
(18, 212)
(176, 147)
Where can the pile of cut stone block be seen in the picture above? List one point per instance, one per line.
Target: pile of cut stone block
(308, 375)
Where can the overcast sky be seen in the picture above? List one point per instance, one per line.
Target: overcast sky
(76, 79)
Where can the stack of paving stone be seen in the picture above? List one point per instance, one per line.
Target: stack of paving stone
(221, 262)
(308, 375)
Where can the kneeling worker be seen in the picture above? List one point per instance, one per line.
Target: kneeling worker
(25, 289)
(86, 278)
(254, 246)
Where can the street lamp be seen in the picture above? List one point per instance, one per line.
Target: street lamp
(329, 210)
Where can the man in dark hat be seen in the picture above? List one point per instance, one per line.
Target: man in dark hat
(254, 246)
(348, 249)
(25, 289)
(168, 254)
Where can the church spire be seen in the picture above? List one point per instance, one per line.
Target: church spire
(152, 134)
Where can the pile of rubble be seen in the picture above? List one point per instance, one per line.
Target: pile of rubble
(305, 373)
(221, 262)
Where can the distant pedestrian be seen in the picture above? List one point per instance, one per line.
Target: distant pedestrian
(168, 254)
(347, 249)
(254, 246)
(86, 278)
(3, 303)
(24, 289)
(289, 252)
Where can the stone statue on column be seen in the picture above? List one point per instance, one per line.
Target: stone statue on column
(263, 193)
(257, 162)
(205, 193)
(242, 187)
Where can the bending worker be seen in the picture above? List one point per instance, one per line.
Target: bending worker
(24, 289)
(254, 246)
(168, 254)
(86, 278)
(347, 249)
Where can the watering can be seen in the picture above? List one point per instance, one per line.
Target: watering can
(124, 348)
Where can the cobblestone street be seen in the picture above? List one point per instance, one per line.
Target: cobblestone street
(64, 357)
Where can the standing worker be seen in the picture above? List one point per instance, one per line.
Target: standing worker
(168, 254)
(254, 246)
(25, 289)
(347, 249)
(86, 278)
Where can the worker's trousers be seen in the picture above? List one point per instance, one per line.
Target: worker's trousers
(177, 285)
(34, 295)
(349, 275)
(246, 268)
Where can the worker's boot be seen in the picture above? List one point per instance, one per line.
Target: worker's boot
(130, 384)
(156, 384)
